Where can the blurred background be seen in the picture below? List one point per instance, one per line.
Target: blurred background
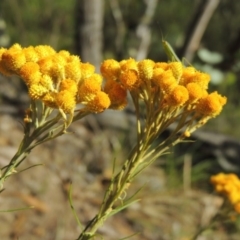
(177, 198)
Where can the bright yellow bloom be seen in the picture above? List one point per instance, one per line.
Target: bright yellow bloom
(228, 185)
(177, 69)
(129, 79)
(162, 65)
(211, 105)
(30, 54)
(157, 72)
(69, 85)
(37, 91)
(166, 81)
(145, 69)
(58, 67)
(30, 73)
(99, 103)
(44, 51)
(128, 64)
(117, 94)
(87, 70)
(66, 101)
(64, 53)
(190, 75)
(178, 96)
(49, 99)
(13, 60)
(110, 69)
(73, 70)
(187, 75)
(195, 92)
(47, 82)
(89, 88)
(45, 65)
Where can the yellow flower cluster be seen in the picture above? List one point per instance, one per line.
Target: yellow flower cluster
(58, 79)
(176, 85)
(61, 81)
(228, 185)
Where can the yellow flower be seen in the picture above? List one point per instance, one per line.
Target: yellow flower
(228, 185)
(87, 70)
(99, 103)
(128, 64)
(187, 75)
(177, 69)
(117, 94)
(89, 87)
(166, 81)
(69, 85)
(66, 101)
(157, 72)
(162, 65)
(30, 73)
(195, 92)
(129, 79)
(47, 82)
(178, 96)
(73, 70)
(58, 67)
(45, 65)
(211, 105)
(30, 54)
(13, 60)
(49, 99)
(44, 51)
(145, 69)
(64, 53)
(110, 69)
(37, 91)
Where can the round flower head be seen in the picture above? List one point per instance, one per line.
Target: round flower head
(178, 96)
(162, 65)
(99, 103)
(30, 54)
(129, 64)
(166, 81)
(156, 74)
(195, 92)
(64, 53)
(145, 69)
(44, 51)
(65, 100)
(47, 82)
(110, 69)
(89, 87)
(68, 85)
(37, 91)
(13, 60)
(117, 94)
(211, 105)
(45, 65)
(202, 79)
(73, 70)
(58, 67)
(129, 79)
(228, 185)
(87, 70)
(49, 99)
(177, 69)
(30, 73)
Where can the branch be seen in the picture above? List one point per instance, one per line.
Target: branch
(197, 28)
(143, 31)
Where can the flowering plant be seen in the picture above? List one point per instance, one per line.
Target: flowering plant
(63, 89)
